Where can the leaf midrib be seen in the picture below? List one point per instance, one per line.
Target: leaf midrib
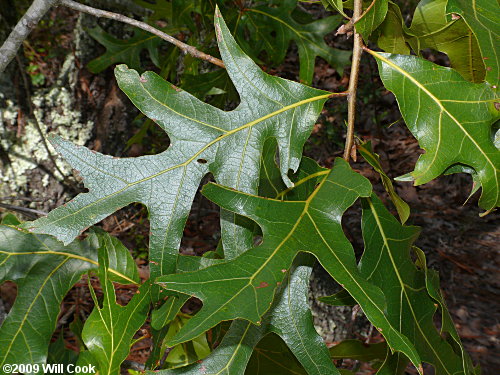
(195, 156)
(403, 285)
(439, 103)
(21, 325)
(305, 212)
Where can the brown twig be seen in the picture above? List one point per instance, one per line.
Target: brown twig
(144, 26)
(29, 212)
(353, 81)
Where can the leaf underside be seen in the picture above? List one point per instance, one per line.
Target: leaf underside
(203, 139)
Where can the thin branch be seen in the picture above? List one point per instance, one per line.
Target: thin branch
(353, 81)
(144, 26)
(29, 212)
(21, 31)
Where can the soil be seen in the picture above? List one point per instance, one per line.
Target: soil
(458, 243)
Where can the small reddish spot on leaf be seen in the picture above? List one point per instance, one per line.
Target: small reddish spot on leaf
(138, 292)
(218, 31)
(283, 270)
(497, 106)
(176, 88)
(263, 284)
(488, 68)
(142, 79)
(455, 16)
(278, 283)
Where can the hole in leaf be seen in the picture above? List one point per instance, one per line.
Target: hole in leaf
(202, 161)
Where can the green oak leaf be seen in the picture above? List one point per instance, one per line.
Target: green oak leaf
(336, 5)
(431, 29)
(387, 263)
(109, 329)
(290, 318)
(374, 160)
(272, 30)
(372, 17)
(291, 304)
(203, 139)
(126, 51)
(245, 286)
(483, 17)
(447, 325)
(272, 356)
(177, 12)
(44, 270)
(450, 117)
(360, 351)
(391, 34)
(58, 353)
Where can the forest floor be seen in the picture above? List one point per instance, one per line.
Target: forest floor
(458, 243)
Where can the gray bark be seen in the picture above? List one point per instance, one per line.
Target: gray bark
(21, 31)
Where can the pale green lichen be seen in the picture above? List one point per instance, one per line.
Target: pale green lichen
(54, 109)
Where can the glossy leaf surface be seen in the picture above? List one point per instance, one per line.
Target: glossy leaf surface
(44, 270)
(431, 29)
(450, 117)
(387, 263)
(203, 138)
(291, 303)
(290, 318)
(109, 329)
(372, 17)
(245, 287)
(483, 17)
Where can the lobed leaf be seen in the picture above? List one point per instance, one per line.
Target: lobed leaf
(272, 30)
(387, 263)
(450, 117)
(203, 139)
(431, 29)
(245, 287)
(44, 271)
(290, 318)
(123, 50)
(483, 17)
(109, 329)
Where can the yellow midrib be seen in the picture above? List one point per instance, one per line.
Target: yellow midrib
(69, 255)
(403, 285)
(439, 103)
(198, 153)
